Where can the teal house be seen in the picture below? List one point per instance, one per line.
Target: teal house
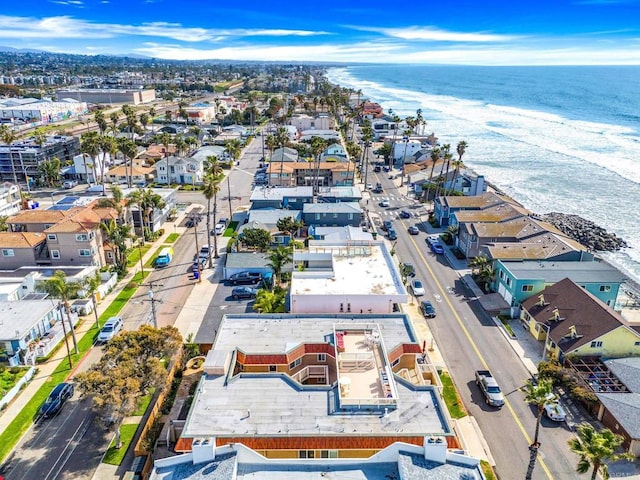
(517, 281)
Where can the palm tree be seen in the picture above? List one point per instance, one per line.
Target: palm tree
(101, 121)
(58, 287)
(115, 118)
(109, 146)
(268, 301)
(478, 263)
(460, 149)
(147, 201)
(278, 258)
(435, 156)
(234, 148)
(211, 187)
(129, 150)
(595, 448)
(90, 286)
(8, 136)
(89, 145)
(318, 145)
(50, 170)
(117, 235)
(537, 394)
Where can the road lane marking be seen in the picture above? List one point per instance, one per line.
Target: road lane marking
(477, 352)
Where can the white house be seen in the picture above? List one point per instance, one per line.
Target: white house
(386, 127)
(94, 167)
(403, 149)
(185, 171)
(345, 277)
(10, 199)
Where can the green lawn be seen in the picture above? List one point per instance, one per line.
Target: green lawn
(134, 256)
(9, 377)
(27, 415)
(143, 404)
(487, 470)
(451, 397)
(172, 238)
(114, 456)
(230, 229)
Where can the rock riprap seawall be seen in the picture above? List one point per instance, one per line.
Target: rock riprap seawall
(584, 231)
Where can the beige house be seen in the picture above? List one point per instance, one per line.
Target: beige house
(18, 249)
(155, 152)
(120, 175)
(301, 174)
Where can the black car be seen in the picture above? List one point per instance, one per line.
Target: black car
(245, 278)
(53, 404)
(244, 292)
(377, 168)
(427, 309)
(192, 222)
(405, 214)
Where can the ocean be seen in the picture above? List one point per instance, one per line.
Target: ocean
(564, 139)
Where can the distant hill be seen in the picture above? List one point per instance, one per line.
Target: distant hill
(20, 50)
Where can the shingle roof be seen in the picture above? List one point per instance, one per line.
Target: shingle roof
(577, 308)
(625, 407)
(20, 239)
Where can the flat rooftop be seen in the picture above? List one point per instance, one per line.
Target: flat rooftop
(600, 272)
(355, 268)
(273, 404)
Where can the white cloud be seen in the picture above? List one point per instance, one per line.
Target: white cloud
(437, 35)
(69, 27)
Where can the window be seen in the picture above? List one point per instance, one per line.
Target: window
(508, 281)
(395, 362)
(273, 368)
(110, 255)
(322, 357)
(501, 274)
(605, 288)
(55, 254)
(317, 216)
(8, 252)
(84, 252)
(351, 216)
(637, 344)
(82, 237)
(596, 344)
(295, 363)
(307, 454)
(52, 236)
(335, 215)
(527, 288)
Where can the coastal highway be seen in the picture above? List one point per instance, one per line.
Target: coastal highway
(469, 340)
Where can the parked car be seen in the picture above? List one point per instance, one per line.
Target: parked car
(219, 229)
(384, 203)
(68, 184)
(377, 168)
(386, 168)
(391, 233)
(490, 389)
(553, 410)
(245, 277)
(386, 225)
(427, 309)
(54, 402)
(244, 292)
(192, 222)
(369, 186)
(405, 214)
(417, 287)
(199, 262)
(204, 251)
(431, 239)
(413, 230)
(437, 248)
(110, 329)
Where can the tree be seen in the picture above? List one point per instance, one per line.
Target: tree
(8, 136)
(131, 366)
(270, 301)
(90, 287)
(460, 149)
(234, 148)
(50, 171)
(59, 287)
(147, 201)
(318, 145)
(537, 394)
(256, 238)
(278, 258)
(117, 235)
(89, 145)
(289, 225)
(478, 263)
(435, 156)
(3, 223)
(595, 448)
(211, 187)
(129, 150)
(101, 121)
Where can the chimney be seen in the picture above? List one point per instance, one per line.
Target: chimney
(435, 449)
(572, 331)
(556, 314)
(541, 299)
(203, 450)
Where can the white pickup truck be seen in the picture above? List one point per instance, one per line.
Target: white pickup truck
(489, 388)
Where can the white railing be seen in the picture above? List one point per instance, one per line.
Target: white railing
(314, 372)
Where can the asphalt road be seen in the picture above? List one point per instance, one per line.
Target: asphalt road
(469, 340)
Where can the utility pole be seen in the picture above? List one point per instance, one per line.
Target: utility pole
(195, 219)
(153, 301)
(229, 197)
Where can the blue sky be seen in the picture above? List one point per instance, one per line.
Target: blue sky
(489, 32)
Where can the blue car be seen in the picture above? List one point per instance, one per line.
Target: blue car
(437, 248)
(53, 404)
